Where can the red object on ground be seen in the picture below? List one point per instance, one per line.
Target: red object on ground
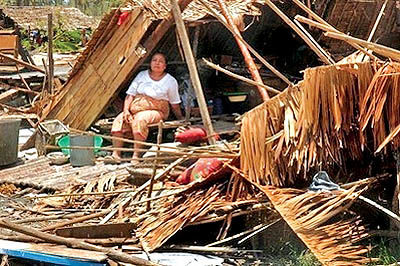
(191, 135)
(200, 170)
(122, 17)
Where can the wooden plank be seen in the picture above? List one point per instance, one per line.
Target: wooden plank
(22, 63)
(8, 95)
(98, 231)
(110, 78)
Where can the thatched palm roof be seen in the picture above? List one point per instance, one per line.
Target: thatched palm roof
(161, 9)
(35, 17)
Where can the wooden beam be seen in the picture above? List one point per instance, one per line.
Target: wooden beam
(194, 75)
(377, 48)
(22, 63)
(50, 52)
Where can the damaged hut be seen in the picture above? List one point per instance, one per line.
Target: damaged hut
(339, 118)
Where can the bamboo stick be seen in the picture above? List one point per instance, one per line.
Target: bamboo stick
(48, 217)
(112, 253)
(320, 20)
(177, 153)
(76, 220)
(180, 26)
(330, 28)
(378, 19)
(159, 138)
(378, 48)
(254, 52)
(50, 52)
(308, 39)
(94, 193)
(146, 143)
(112, 241)
(245, 52)
(250, 81)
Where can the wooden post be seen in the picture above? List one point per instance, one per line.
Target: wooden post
(196, 40)
(180, 26)
(396, 195)
(159, 139)
(378, 19)
(50, 52)
(245, 52)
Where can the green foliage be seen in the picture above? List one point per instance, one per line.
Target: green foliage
(385, 253)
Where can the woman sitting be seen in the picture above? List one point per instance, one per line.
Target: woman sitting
(147, 102)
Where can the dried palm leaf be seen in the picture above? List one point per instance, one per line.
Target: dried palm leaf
(155, 230)
(311, 216)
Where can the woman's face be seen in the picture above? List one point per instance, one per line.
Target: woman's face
(158, 63)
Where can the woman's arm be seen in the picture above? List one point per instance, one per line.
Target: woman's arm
(177, 111)
(127, 103)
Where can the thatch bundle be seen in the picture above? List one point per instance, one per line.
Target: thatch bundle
(337, 112)
(311, 216)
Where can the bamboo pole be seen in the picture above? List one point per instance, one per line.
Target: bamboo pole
(159, 139)
(177, 153)
(250, 81)
(76, 220)
(112, 253)
(180, 26)
(378, 19)
(308, 39)
(320, 20)
(378, 48)
(245, 52)
(50, 52)
(329, 28)
(251, 49)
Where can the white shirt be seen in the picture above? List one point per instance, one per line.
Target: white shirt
(163, 89)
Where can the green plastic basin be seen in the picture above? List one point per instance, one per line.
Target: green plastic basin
(65, 142)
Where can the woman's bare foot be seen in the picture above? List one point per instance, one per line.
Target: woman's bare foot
(135, 160)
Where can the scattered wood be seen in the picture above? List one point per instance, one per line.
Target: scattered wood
(114, 254)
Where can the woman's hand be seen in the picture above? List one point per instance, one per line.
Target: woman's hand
(127, 116)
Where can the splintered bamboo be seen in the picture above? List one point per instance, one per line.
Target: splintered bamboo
(245, 52)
